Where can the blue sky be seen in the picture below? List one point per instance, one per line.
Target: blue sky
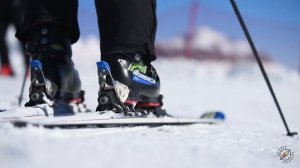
(273, 24)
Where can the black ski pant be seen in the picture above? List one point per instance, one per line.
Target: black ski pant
(5, 7)
(9, 14)
(124, 25)
(3, 45)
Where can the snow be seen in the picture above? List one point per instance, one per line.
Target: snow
(250, 137)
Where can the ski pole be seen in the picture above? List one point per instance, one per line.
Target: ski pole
(23, 85)
(260, 64)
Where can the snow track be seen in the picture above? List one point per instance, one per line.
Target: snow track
(167, 146)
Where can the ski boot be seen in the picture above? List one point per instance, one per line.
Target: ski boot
(129, 83)
(53, 76)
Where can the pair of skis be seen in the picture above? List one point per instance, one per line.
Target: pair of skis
(60, 117)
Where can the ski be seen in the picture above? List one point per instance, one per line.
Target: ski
(47, 117)
(121, 122)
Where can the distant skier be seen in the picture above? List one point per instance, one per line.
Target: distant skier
(10, 13)
(127, 32)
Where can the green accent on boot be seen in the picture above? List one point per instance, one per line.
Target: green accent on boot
(139, 66)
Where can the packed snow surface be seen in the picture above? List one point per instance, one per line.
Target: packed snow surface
(251, 136)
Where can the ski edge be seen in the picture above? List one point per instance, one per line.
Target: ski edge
(110, 123)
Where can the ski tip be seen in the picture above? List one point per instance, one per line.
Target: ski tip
(218, 115)
(103, 66)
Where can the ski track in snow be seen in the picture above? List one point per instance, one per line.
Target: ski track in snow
(250, 137)
(191, 146)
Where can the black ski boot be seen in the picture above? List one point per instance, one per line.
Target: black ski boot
(138, 75)
(53, 76)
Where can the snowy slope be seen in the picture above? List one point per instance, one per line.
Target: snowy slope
(251, 136)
